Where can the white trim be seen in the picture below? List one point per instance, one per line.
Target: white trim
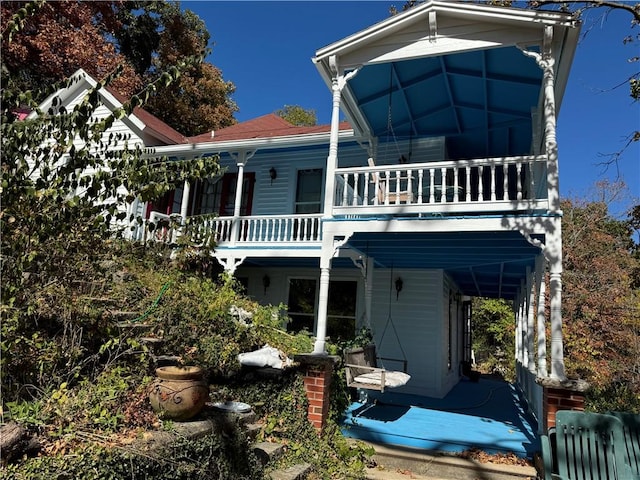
(196, 149)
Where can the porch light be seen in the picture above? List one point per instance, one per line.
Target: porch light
(273, 174)
(266, 281)
(398, 287)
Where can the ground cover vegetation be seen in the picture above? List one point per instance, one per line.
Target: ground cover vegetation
(84, 312)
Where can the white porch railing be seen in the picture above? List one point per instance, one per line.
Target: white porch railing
(480, 185)
(282, 229)
(213, 230)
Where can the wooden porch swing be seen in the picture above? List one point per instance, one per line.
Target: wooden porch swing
(361, 364)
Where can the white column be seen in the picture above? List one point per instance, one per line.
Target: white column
(323, 300)
(553, 252)
(541, 319)
(531, 299)
(368, 290)
(332, 158)
(518, 333)
(338, 82)
(184, 205)
(238, 199)
(546, 62)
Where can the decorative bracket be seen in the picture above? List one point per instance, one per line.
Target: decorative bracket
(433, 26)
(230, 264)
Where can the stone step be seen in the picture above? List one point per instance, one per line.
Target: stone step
(296, 472)
(400, 462)
(133, 325)
(253, 430)
(267, 451)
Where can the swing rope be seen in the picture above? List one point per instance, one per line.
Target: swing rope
(390, 322)
(390, 132)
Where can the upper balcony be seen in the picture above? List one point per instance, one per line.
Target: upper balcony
(492, 186)
(482, 186)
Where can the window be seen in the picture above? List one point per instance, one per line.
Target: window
(309, 191)
(218, 195)
(341, 310)
(302, 300)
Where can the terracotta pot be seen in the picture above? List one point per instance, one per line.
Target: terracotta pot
(178, 393)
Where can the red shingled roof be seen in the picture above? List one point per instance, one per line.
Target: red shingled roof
(267, 126)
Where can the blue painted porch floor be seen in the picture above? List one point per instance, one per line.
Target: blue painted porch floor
(487, 415)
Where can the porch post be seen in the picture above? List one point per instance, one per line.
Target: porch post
(541, 319)
(368, 290)
(338, 82)
(184, 205)
(238, 199)
(546, 62)
(323, 300)
(554, 256)
(531, 299)
(518, 311)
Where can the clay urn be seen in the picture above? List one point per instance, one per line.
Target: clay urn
(178, 393)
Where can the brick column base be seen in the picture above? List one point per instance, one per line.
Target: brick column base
(561, 395)
(317, 371)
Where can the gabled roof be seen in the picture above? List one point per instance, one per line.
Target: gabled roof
(453, 69)
(266, 126)
(141, 122)
(155, 126)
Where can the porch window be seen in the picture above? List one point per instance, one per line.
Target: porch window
(218, 195)
(309, 191)
(302, 300)
(341, 311)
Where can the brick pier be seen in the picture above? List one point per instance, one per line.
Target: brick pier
(317, 371)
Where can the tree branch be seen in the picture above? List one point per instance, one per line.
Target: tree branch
(629, 7)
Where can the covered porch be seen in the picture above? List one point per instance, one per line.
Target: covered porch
(490, 415)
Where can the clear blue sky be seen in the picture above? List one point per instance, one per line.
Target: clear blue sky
(265, 49)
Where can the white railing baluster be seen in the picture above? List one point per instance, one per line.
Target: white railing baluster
(519, 180)
(432, 185)
(480, 183)
(505, 182)
(387, 179)
(443, 185)
(532, 181)
(493, 182)
(367, 180)
(420, 179)
(354, 196)
(456, 181)
(468, 183)
(345, 189)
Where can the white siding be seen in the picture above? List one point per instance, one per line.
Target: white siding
(452, 328)
(416, 315)
(278, 197)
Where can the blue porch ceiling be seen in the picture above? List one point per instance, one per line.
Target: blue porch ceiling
(487, 264)
(482, 101)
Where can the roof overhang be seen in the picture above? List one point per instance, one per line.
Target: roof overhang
(252, 144)
(452, 69)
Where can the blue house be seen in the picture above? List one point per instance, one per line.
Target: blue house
(436, 181)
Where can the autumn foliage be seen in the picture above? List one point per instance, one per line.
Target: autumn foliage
(601, 308)
(142, 38)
